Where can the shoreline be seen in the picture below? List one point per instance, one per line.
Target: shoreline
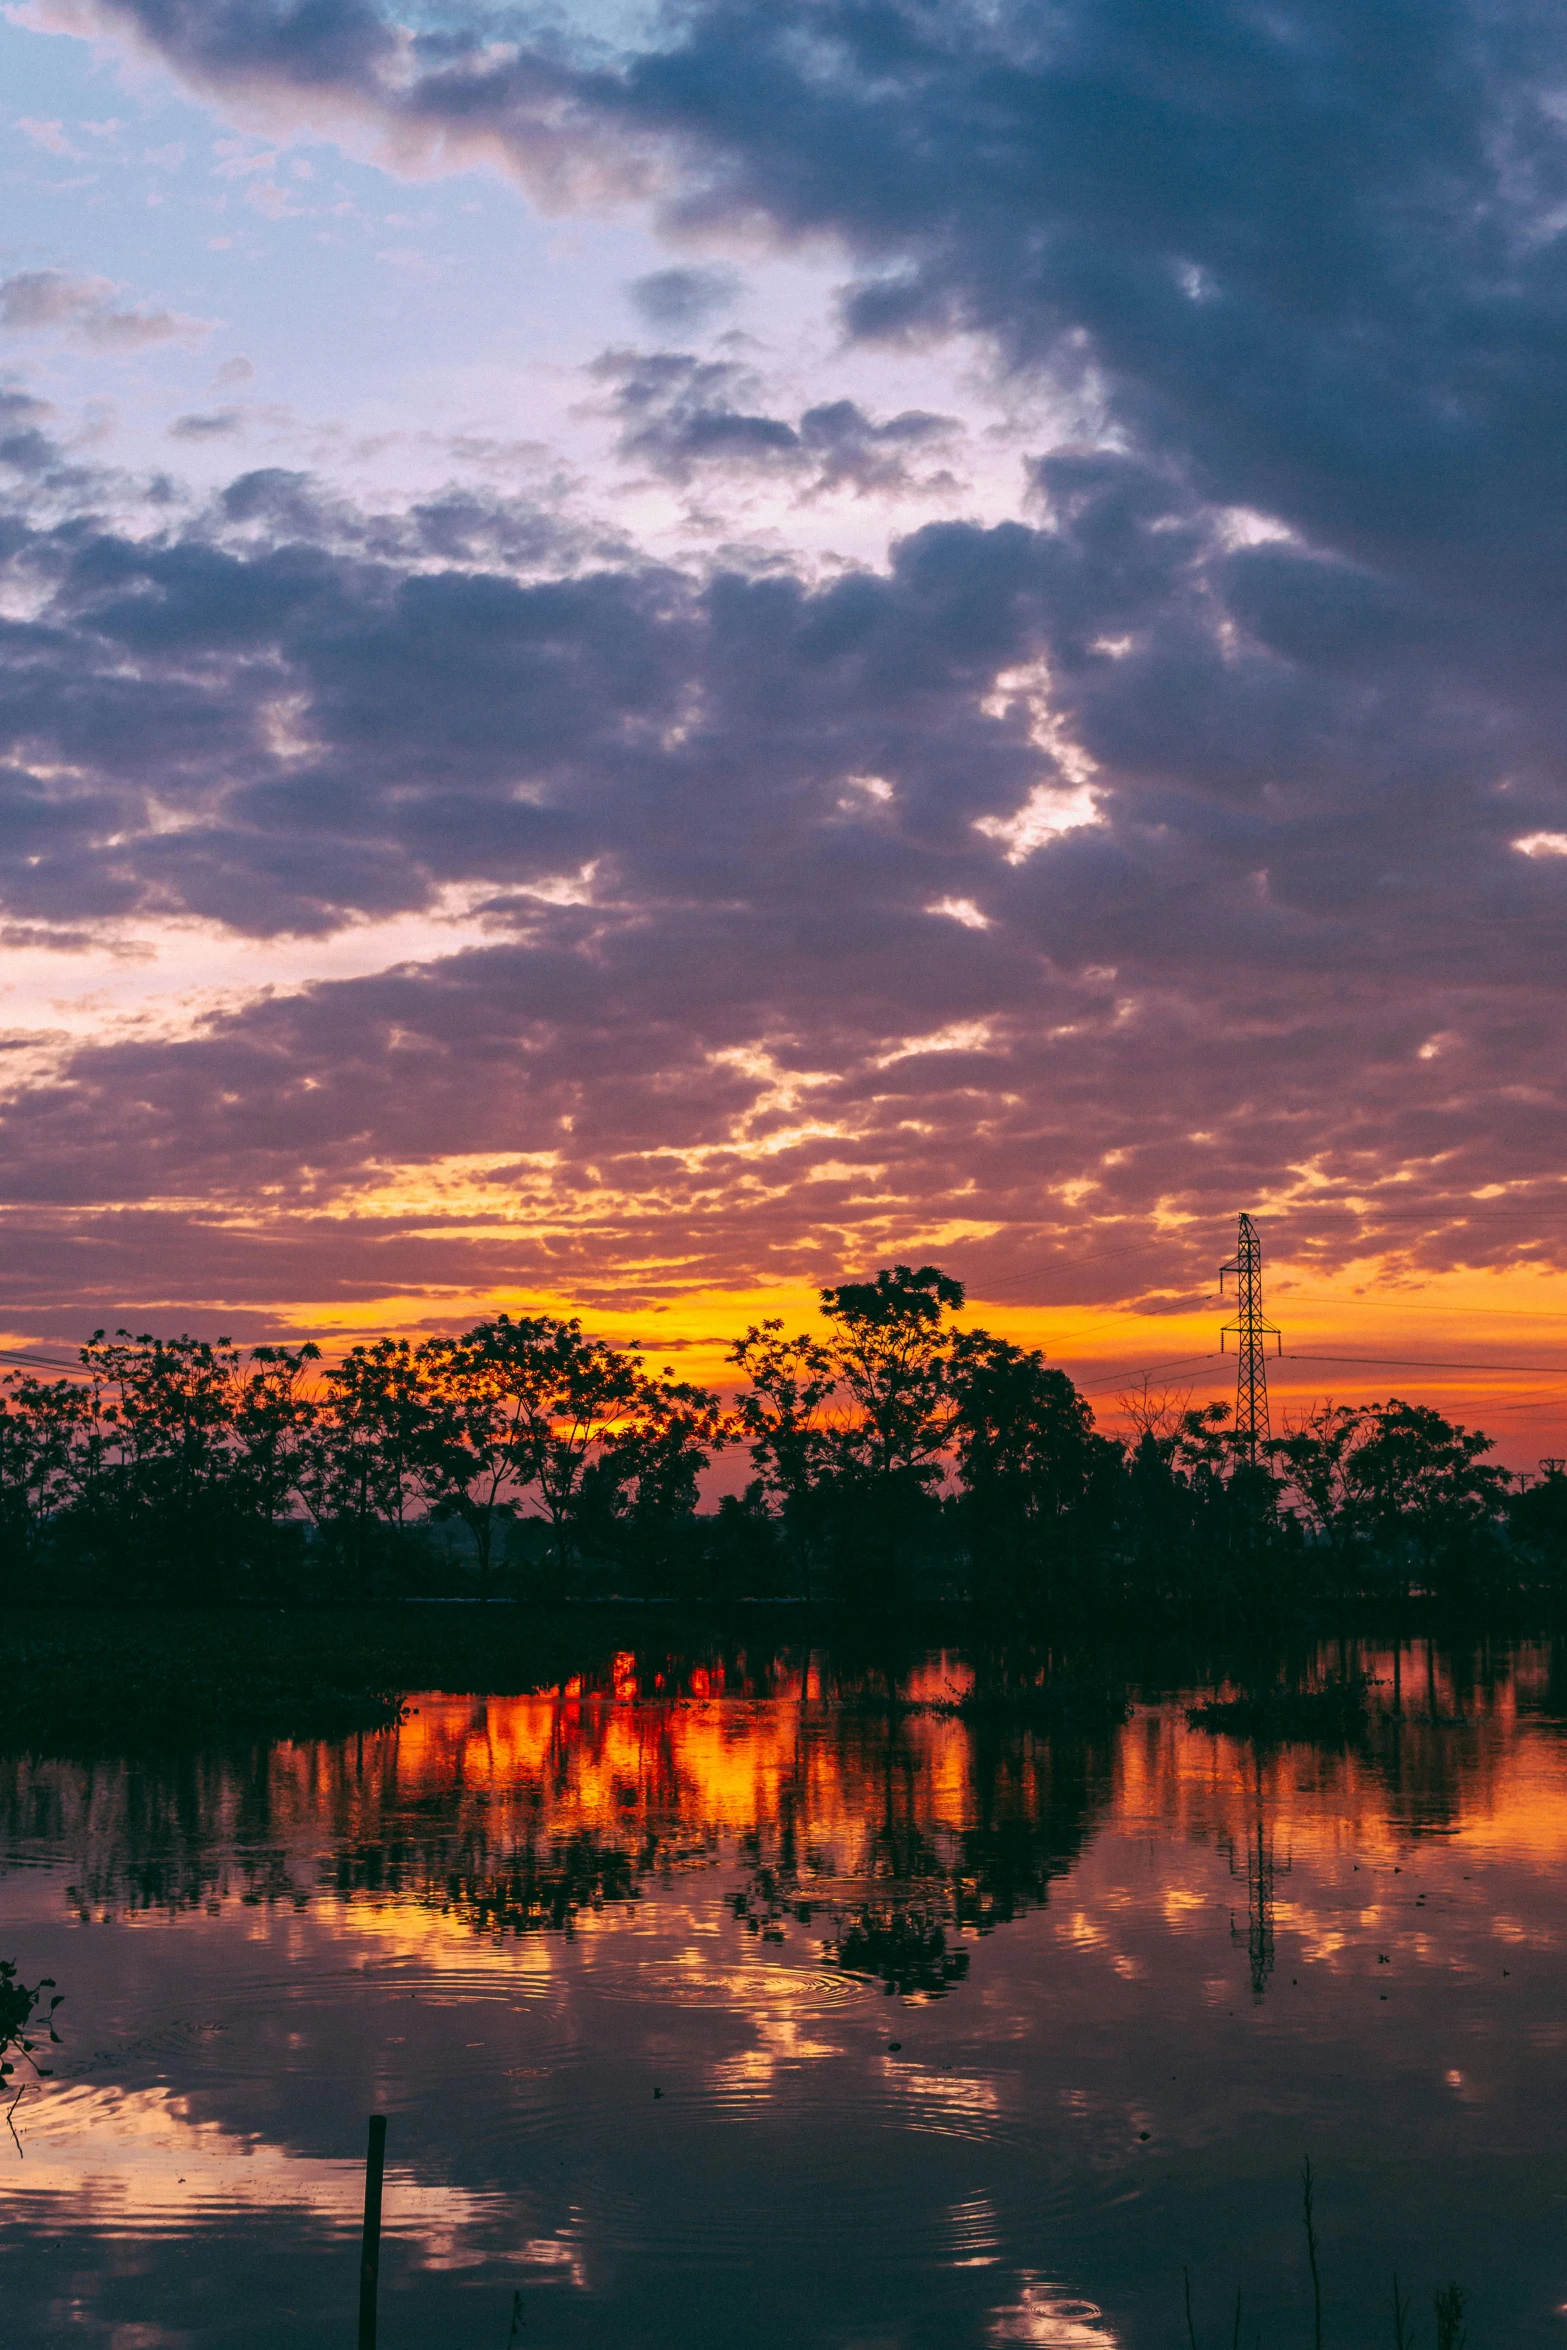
(103, 1681)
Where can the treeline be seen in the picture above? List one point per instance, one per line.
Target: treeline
(892, 1456)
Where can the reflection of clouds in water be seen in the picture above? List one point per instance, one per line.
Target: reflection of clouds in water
(528, 1914)
(958, 2094)
(751, 2073)
(1086, 1933)
(1043, 2314)
(975, 2233)
(563, 2254)
(135, 2163)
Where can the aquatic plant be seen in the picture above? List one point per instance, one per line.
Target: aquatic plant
(1449, 2302)
(1451, 2332)
(19, 2005)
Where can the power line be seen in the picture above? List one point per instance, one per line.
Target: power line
(1382, 1306)
(1423, 1363)
(1191, 1235)
(1146, 1371)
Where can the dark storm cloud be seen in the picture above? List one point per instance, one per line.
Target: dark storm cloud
(1296, 621)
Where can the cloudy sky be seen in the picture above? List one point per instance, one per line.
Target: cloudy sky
(650, 654)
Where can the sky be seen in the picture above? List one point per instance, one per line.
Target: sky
(650, 656)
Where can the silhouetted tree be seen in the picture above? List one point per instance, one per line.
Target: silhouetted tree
(1537, 1523)
(274, 1420)
(1038, 1483)
(361, 1474)
(638, 1495)
(44, 1430)
(467, 1450)
(891, 1350)
(785, 1418)
(1422, 1486)
(158, 1502)
(179, 1468)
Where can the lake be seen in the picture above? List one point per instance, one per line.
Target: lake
(786, 1996)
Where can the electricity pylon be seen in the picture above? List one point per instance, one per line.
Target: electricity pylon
(1251, 1330)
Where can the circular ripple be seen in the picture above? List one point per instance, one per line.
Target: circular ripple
(733, 1990)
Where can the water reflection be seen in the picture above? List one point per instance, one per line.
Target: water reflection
(887, 1823)
(916, 2002)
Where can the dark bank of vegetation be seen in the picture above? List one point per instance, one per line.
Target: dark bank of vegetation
(106, 1679)
(894, 1461)
(1279, 1715)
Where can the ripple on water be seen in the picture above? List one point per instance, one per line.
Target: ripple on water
(734, 1990)
(835, 2208)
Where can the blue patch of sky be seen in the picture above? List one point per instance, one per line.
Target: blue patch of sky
(355, 295)
(398, 331)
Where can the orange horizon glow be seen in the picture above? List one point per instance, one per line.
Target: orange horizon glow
(1466, 1341)
(1469, 1316)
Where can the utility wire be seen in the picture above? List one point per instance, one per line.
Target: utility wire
(1429, 1217)
(1147, 1370)
(1424, 1363)
(1332, 1297)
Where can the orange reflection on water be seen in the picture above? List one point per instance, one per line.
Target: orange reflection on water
(1029, 1923)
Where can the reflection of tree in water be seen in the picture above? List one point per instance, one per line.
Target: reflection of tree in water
(905, 1949)
(922, 1886)
(1436, 1750)
(894, 1932)
(166, 1837)
(885, 1814)
(883, 1821)
(543, 1885)
(1262, 1867)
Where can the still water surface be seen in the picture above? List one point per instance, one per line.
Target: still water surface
(751, 2007)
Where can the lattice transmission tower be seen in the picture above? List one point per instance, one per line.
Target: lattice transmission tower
(1251, 1331)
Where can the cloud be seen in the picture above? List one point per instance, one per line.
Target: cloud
(1331, 305)
(680, 413)
(218, 424)
(680, 301)
(683, 416)
(852, 451)
(50, 136)
(19, 409)
(1217, 760)
(703, 1010)
(24, 446)
(34, 300)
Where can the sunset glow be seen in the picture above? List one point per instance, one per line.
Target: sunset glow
(599, 720)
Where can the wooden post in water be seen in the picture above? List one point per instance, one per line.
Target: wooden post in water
(370, 2254)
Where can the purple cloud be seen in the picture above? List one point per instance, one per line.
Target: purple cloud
(1218, 756)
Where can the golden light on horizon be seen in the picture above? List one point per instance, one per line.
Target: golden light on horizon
(1461, 1340)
